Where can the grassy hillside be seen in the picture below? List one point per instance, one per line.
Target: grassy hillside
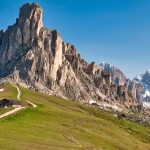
(65, 125)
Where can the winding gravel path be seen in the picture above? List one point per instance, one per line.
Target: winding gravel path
(12, 112)
(33, 105)
(19, 95)
(18, 108)
(19, 92)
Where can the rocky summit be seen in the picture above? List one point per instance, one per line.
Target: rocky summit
(139, 86)
(143, 86)
(120, 79)
(36, 57)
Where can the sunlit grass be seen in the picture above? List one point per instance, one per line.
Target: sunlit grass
(62, 124)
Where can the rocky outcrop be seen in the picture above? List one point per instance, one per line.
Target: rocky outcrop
(131, 85)
(28, 47)
(146, 77)
(139, 87)
(20, 38)
(36, 57)
(117, 76)
(1, 36)
(143, 86)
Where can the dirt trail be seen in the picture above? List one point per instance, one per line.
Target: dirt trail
(19, 92)
(18, 108)
(32, 104)
(19, 95)
(12, 112)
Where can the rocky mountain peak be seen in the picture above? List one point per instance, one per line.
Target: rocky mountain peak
(146, 77)
(27, 10)
(117, 76)
(36, 58)
(31, 14)
(138, 78)
(148, 71)
(1, 36)
(143, 86)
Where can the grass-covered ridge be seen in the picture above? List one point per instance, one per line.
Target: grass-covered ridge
(62, 124)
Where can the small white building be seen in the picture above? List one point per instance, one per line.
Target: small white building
(92, 102)
(1, 90)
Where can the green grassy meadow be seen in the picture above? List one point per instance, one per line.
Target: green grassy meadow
(58, 124)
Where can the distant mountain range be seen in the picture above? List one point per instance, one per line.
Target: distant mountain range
(143, 83)
(140, 85)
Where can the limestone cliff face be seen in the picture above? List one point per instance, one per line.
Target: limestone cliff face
(1, 36)
(119, 78)
(30, 48)
(38, 58)
(146, 77)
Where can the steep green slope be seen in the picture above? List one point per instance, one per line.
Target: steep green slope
(62, 124)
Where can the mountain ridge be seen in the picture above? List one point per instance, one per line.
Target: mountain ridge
(140, 87)
(37, 58)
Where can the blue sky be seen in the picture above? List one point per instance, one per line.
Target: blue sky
(113, 31)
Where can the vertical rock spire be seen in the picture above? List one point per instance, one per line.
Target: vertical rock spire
(30, 21)
(1, 36)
